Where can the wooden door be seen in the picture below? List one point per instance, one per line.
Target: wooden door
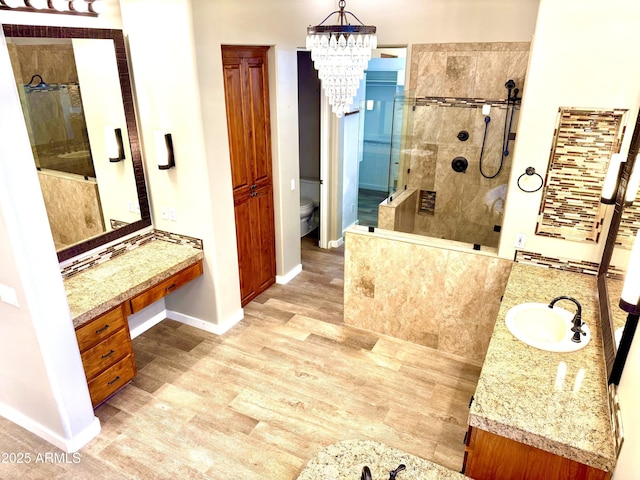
(247, 105)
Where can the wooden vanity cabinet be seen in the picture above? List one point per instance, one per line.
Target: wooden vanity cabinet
(492, 457)
(107, 353)
(105, 342)
(165, 287)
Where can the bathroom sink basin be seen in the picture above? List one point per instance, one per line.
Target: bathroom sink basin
(545, 328)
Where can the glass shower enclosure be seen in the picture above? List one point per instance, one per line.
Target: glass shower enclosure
(450, 161)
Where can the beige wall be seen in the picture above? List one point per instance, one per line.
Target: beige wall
(569, 66)
(199, 187)
(102, 105)
(434, 296)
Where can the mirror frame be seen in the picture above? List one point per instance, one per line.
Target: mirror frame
(615, 357)
(40, 31)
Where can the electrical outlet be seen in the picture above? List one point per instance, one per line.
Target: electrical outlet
(164, 213)
(172, 214)
(8, 295)
(521, 238)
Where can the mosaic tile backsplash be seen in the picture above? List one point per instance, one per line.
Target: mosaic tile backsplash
(125, 246)
(559, 263)
(584, 141)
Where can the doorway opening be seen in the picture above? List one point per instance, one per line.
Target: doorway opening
(309, 91)
(378, 169)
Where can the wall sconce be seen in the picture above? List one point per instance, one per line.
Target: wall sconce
(630, 303)
(612, 179)
(90, 8)
(164, 151)
(113, 142)
(634, 183)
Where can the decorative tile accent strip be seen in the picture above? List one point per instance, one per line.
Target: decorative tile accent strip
(583, 143)
(179, 239)
(427, 201)
(567, 264)
(457, 102)
(616, 273)
(125, 246)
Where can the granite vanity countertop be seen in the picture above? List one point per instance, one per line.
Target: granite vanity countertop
(523, 394)
(344, 461)
(102, 287)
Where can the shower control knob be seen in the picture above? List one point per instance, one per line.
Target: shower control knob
(460, 164)
(463, 135)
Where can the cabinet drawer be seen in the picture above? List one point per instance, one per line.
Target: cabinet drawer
(111, 380)
(106, 353)
(100, 328)
(172, 283)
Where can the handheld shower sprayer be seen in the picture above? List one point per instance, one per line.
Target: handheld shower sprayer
(510, 85)
(512, 98)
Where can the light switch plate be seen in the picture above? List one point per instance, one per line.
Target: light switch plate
(521, 238)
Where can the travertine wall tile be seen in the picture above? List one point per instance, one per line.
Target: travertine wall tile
(73, 208)
(432, 296)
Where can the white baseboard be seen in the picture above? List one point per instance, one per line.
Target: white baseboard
(146, 318)
(147, 324)
(218, 329)
(284, 279)
(336, 243)
(68, 445)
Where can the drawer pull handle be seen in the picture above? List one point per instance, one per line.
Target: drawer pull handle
(100, 330)
(114, 380)
(170, 287)
(107, 355)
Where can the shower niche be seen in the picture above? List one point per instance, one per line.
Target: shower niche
(460, 179)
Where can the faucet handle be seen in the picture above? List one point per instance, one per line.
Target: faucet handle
(366, 473)
(393, 473)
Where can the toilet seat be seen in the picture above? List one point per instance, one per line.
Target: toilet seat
(306, 207)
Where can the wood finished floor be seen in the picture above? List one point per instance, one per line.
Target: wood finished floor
(261, 400)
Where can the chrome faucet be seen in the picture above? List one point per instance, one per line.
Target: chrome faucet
(577, 318)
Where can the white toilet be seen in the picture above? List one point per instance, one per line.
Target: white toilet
(306, 215)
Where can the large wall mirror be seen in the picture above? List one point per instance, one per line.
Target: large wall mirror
(624, 226)
(75, 91)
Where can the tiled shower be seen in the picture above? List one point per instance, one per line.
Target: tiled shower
(443, 131)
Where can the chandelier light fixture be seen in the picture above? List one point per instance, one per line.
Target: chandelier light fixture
(340, 53)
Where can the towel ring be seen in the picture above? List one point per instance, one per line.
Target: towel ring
(529, 172)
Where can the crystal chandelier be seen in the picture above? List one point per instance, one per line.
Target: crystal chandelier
(340, 53)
